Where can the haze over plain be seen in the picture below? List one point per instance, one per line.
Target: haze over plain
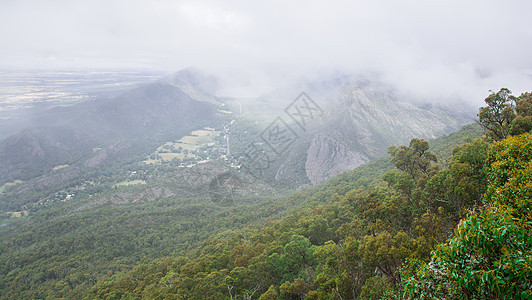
(438, 50)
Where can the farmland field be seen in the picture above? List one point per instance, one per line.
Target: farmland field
(184, 147)
(130, 182)
(199, 137)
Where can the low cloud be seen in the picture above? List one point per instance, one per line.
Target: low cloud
(436, 49)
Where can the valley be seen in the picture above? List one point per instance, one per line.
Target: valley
(265, 150)
(177, 180)
(211, 132)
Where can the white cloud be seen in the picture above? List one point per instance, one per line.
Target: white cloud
(453, 47)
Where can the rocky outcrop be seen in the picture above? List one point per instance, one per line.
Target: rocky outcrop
(375, 109)
(365, 119)
(327, 157)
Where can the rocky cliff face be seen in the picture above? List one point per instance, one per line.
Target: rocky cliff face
(365, 119)
(375, 108)
(327, 157)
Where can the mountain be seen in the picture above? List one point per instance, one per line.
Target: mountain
(69, 248)
(98, 199)
(28, 153)
(364, 119)
(153, 112)
(359, 118)
(196, 83)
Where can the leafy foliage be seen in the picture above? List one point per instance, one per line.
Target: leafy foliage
(490, 255)
(498, 114)
(347, 238)
(84, 241)
(354, 246)
(414, 159)
(523, 121)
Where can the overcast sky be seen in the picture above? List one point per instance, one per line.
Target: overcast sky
(450, 45)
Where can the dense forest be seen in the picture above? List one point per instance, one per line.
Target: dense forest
(458, 232)
(450, 218)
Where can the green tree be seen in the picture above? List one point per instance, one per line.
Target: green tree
(490, 255)
(499, 113)
(293, 290)
(523, 105)
(270, 294)
(510, 176)
(523, 121)
(414, 159)
(375, 288)
(461, 186)
(386, 253)
(297, 256)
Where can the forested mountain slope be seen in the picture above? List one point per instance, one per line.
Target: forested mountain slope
(64, 250)
(63, 135)
(460, 232)
(72, 146)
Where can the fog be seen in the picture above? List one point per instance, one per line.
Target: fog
(436, 50)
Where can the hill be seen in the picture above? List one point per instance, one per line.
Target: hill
(360, 120)
(63, 135)
(68, 247)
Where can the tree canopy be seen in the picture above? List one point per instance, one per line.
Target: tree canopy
(490, 254)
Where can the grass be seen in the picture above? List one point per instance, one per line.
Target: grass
(199, 137)
(7, 184)
(59, 167)
(192, 142)
(188, 147)
(130, 182)
(12, 183)
(170, 156)
(10, 221)
(17, 214)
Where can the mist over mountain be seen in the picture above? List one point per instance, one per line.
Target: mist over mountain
(206, 149)
(66, 134)
(362, 119)
(363, 116)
